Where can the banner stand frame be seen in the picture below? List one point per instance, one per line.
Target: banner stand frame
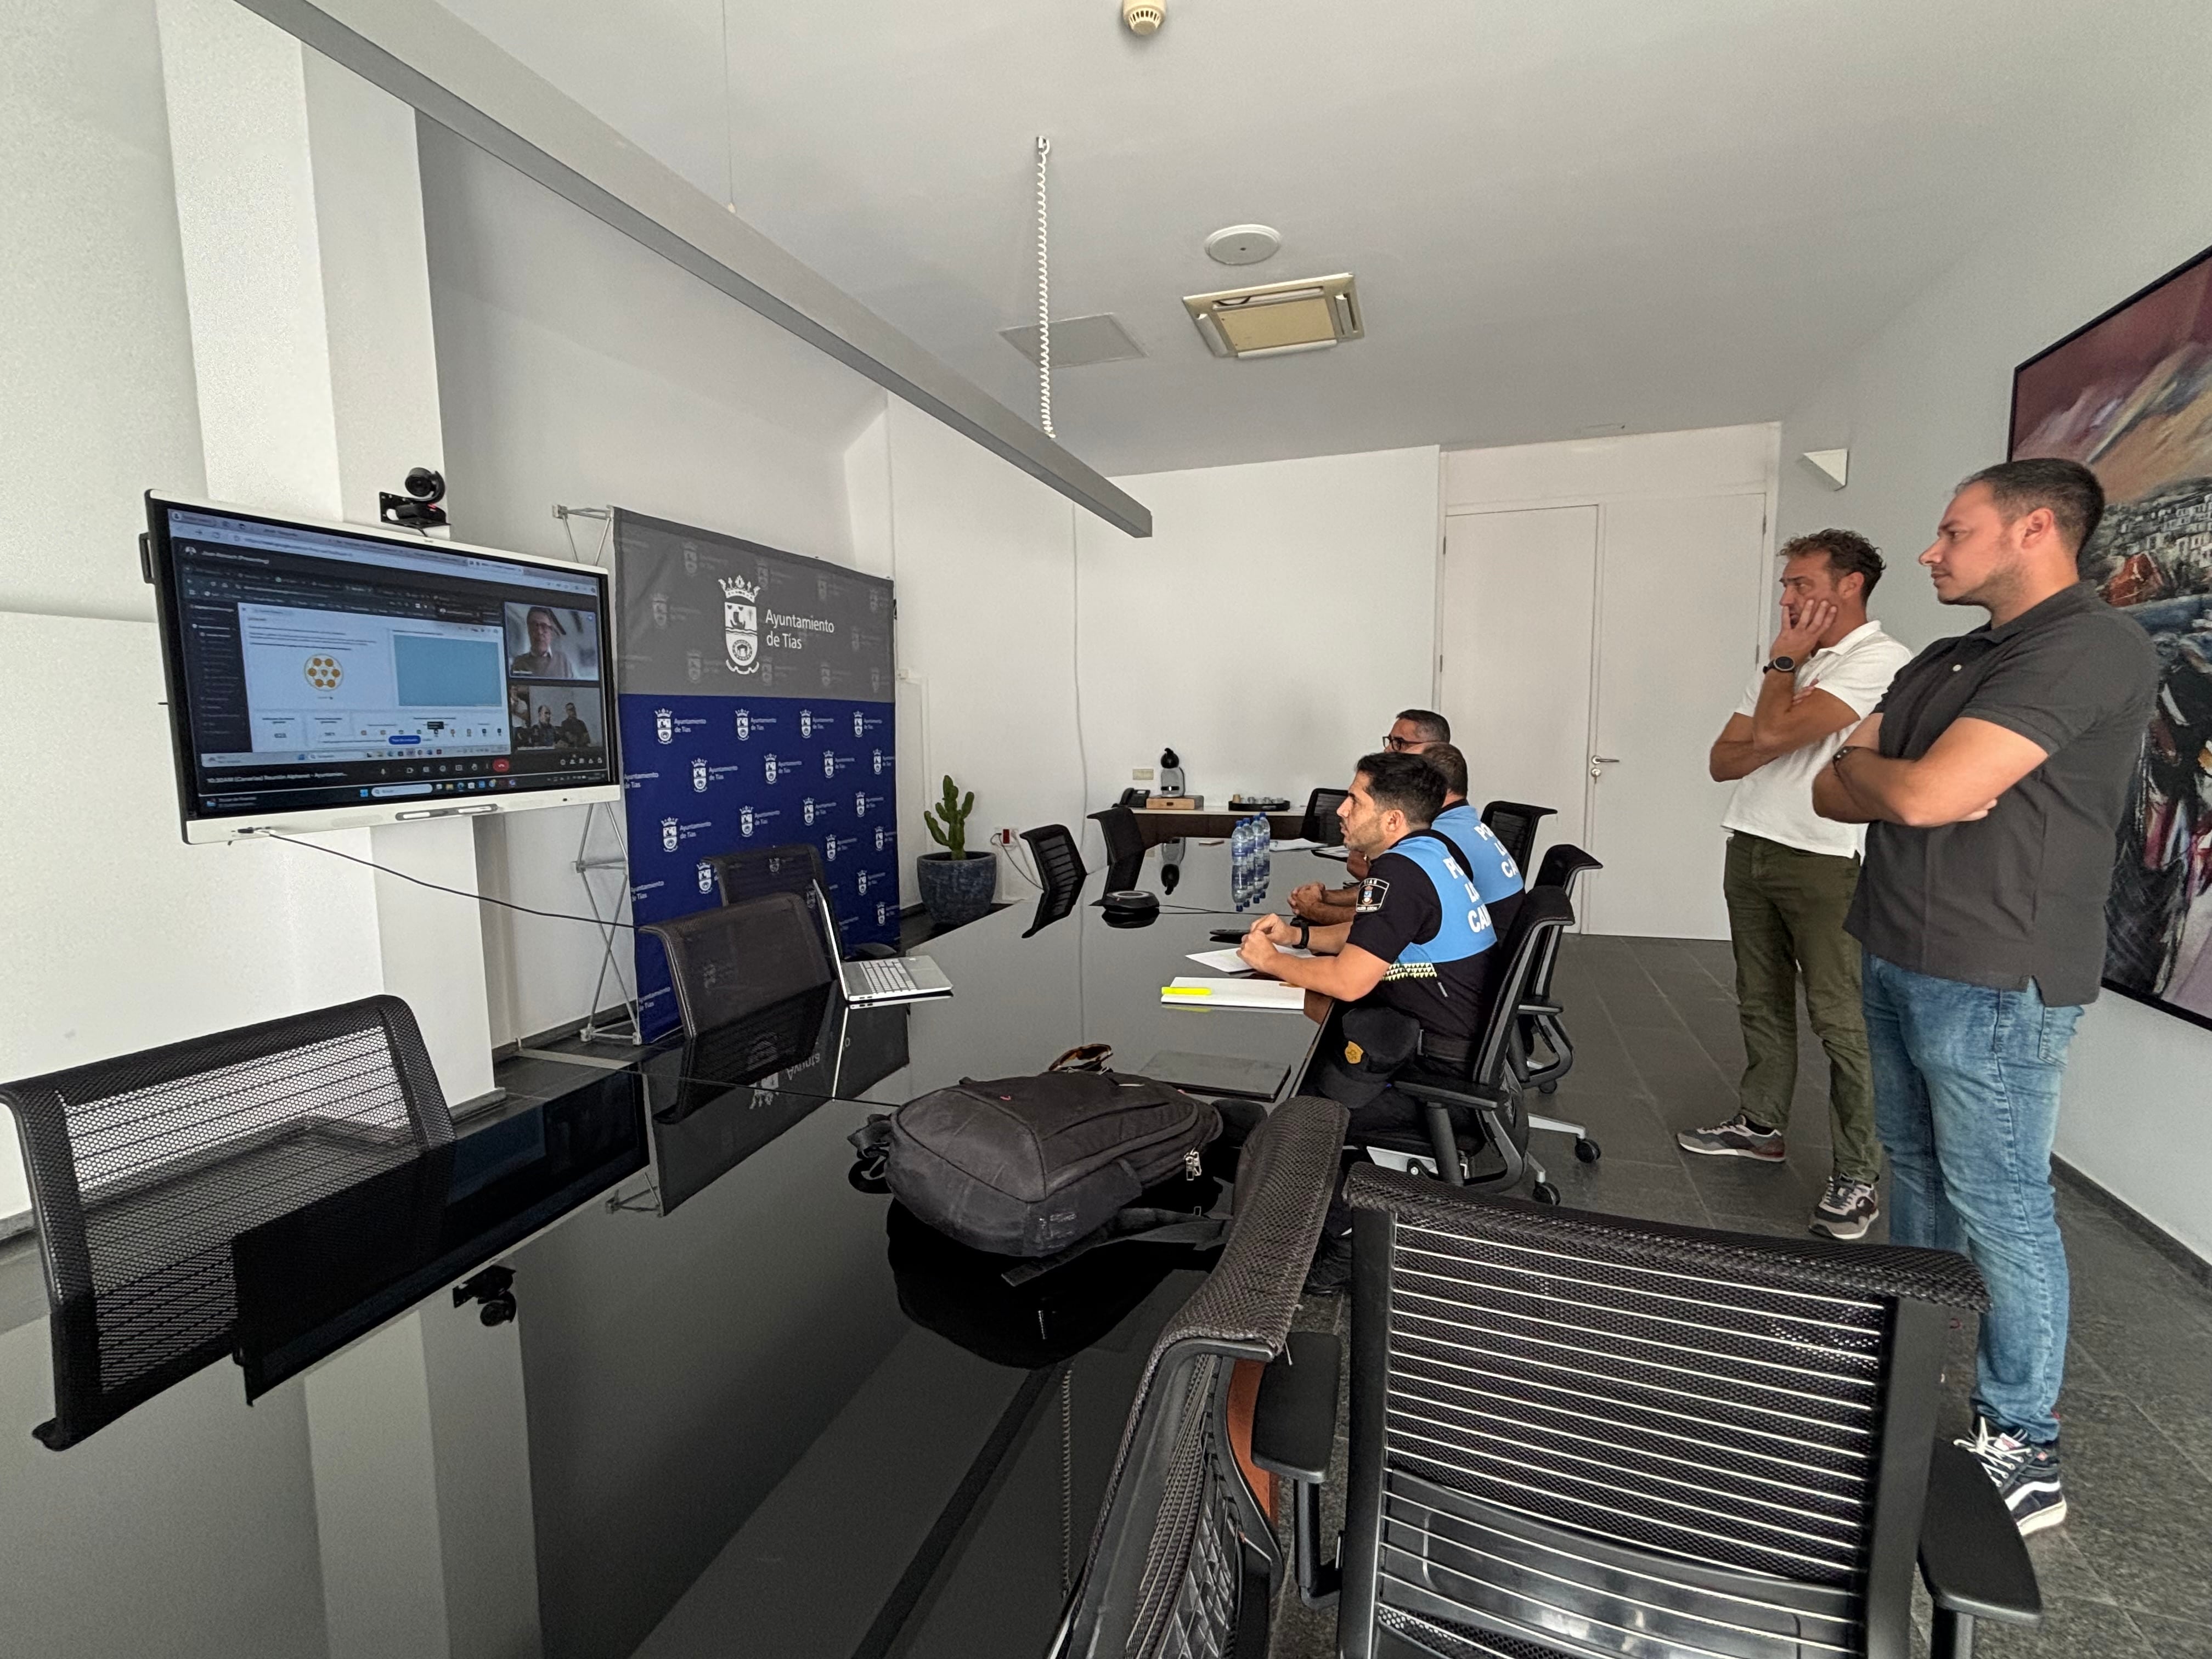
(611, 928)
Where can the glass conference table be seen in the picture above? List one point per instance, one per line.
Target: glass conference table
(770, 1412)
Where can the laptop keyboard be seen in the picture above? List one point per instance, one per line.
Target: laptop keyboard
(882, 975)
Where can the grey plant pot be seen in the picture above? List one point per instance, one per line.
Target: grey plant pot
(954, 893)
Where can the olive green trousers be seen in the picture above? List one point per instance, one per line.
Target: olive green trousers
(1786, 910)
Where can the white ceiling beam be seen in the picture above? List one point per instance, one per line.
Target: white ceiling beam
(424, 56)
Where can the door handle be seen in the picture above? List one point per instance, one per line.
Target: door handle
(1596, 760)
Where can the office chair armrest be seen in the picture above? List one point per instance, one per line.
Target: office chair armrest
(1293, 1434)
(1475, 1098)
(1538, 1008)
(1294, 1419)
(1970, 1553)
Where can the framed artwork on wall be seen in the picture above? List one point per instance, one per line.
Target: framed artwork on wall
(2129, 395)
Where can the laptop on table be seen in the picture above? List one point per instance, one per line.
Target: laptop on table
(872, 980)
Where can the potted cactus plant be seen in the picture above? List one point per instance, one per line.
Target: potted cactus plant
(957, 884)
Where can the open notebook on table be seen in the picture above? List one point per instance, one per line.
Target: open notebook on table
(1195, 993)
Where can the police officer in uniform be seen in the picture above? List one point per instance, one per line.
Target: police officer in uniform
(1410, 967)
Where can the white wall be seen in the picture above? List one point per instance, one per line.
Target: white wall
(118, 935)
(984, 560)
(1925, 403)
(1277, 619)
(575, 367)
(95, 360)
(1185, 638)
(1668, 657)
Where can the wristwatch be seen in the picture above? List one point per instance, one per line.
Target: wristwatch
(1305, 933)
(1783, 665)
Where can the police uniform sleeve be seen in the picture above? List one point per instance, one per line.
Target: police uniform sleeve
(1396, 907)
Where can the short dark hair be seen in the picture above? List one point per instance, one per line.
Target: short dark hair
(2069, 489)
(1432, 726)
(1849, 554)
(1450, 765)
(1406, 783)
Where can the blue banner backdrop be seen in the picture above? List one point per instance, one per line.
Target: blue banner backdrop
(717, 761)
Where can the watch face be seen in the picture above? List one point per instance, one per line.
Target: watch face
(1785, 664)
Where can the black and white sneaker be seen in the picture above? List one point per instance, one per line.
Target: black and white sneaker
(1734, 1138)
(2027, 1475)
(1847, 1209)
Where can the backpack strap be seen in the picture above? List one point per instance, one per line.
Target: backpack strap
(871, 1154)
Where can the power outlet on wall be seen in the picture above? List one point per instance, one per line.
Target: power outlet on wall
(1002, 838)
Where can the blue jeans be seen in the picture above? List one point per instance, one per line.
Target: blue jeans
(1965, 1084)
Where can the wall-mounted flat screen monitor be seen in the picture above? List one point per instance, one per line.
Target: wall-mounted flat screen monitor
(326, 675)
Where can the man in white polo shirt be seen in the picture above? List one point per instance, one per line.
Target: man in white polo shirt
(1791, 872)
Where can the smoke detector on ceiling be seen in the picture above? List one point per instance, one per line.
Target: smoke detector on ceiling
(1143, 16)
(1243, 245)
(1278, 318)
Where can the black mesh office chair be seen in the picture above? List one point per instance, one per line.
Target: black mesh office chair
(1322, 823)
(1515, 823)
(1125, 836)
(1060, 871)
(1579, 1435)
(1183, 1562)
(1542, 1028)
(144, 1169)
(733, 961)
(793, 867)
(1125, 847)
(1479, 1104)
(751, 871)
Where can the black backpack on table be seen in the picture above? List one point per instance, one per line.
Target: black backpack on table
(1031, 1166)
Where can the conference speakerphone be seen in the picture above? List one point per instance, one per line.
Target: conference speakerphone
(326, 675)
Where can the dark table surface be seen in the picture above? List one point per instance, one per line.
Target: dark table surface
(766, 1410)
(764, 1401)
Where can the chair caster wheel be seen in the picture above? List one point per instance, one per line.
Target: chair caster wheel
(1547, 1088)
(1586, 1150)
(1545, 1192)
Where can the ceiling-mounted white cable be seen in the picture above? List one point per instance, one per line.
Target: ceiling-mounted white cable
(1044, 295)
(729, 122)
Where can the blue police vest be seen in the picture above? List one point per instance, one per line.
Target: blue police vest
(1495, 874)
(1465, 929)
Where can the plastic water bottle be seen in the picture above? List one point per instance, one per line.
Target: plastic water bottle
(1238, 880)
(1262, 867)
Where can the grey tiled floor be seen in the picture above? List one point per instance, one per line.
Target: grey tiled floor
(1657, 1050)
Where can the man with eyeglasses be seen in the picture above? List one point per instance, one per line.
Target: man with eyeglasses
(1414, 732)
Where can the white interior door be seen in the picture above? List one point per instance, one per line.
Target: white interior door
(1514, 640)
(1680, 596)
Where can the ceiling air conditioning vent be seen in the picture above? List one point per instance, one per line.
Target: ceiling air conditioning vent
(1076, 342)
(1276, 318)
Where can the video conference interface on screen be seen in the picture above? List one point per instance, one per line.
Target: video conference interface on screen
(325, 670)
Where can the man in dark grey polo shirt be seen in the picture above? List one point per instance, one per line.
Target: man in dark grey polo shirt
(1993, 776)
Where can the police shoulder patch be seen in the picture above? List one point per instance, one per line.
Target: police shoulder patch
(1372, 891)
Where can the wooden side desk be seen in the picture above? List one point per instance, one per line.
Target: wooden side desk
(1167, 824)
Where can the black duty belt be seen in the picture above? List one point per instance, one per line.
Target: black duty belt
(1454, 1052)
